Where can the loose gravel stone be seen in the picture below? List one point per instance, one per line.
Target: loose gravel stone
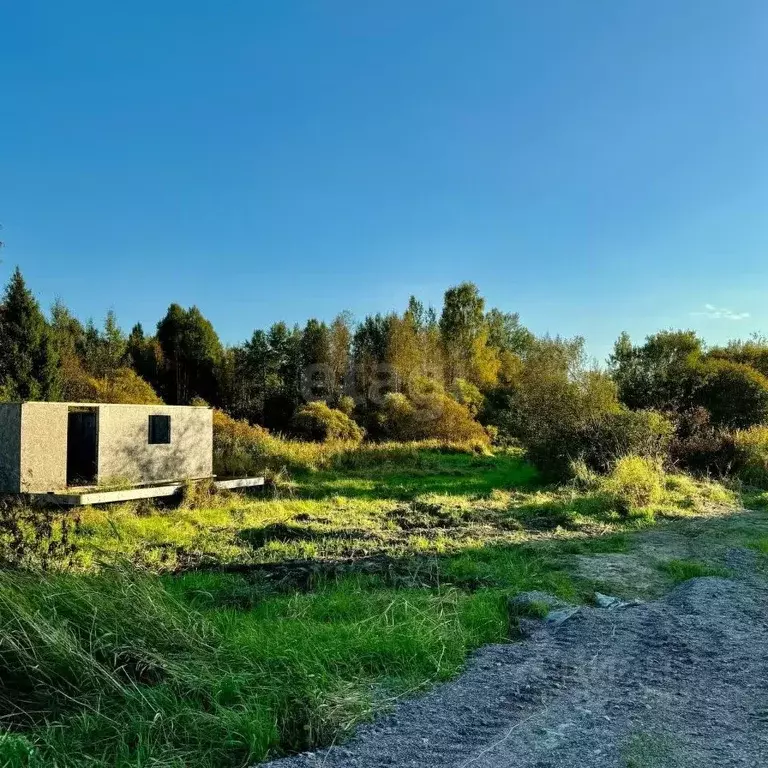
(679, 682)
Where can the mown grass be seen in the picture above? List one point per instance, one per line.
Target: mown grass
(258, 626)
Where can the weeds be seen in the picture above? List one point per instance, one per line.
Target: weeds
(36, 538)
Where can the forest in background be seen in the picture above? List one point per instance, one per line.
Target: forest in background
(464, 372)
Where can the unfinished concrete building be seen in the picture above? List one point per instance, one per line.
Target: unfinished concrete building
(48, 448)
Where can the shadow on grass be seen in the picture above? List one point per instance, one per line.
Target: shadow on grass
(282, 532)
(507, 567)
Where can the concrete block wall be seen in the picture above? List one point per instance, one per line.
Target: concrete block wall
(44, 447)
(33, 445)
(126, 455)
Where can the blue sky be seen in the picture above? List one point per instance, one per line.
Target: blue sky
(595, 165)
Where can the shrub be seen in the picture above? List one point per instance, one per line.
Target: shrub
(615, 434)
(469, 395)
(236, 445)
(700, 446)
(751, 454)
(555, 400)
(316, 421)
(661, 374)
(122, 386)
(429, 414)
(753, 353)
(635, 482)
(396, 415)
(735, 395)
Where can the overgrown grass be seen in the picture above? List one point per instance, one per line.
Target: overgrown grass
(761, 545)
(123, 669)
(240, 449)
(229, 628)
(443, 502)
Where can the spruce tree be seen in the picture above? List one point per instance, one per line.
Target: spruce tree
(28, 358)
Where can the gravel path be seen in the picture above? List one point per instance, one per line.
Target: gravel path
(679, 682)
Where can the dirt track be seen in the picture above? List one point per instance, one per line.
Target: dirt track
(682, 681)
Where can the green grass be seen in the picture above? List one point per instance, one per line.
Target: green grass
(257, 626)
(760, 544)
(683, 570)
(653, 751)
(207, 669)
(436, 503)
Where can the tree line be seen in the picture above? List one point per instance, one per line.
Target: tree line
(463, 371)
(462, 350)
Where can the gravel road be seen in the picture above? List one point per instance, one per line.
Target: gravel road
(682, 681)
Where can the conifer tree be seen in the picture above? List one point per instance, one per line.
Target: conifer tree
(28, 358)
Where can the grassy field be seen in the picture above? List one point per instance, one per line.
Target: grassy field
(230, 629)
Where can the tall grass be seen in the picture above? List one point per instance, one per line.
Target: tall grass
(123, 669)
(365, 585)
(241, 449)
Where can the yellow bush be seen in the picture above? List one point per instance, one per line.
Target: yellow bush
(238, 447)
(123, 386)
(317, 421)
(429, 414)
(752, 455)
(635, 482)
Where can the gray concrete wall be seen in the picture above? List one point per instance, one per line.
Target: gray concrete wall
(33, 445)
(10, 447)
(44, 447)
(126, 455)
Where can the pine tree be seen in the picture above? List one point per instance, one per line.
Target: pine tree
(28, 358)
(193, 354)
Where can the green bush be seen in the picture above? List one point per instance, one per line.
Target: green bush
(317, 421)
(662, 373)
(469, 395)
(735, 395)
(555, 401)
(635, 482)
(615, 434)
(753, 353)
(751, 448)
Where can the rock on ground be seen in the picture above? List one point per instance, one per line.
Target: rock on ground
(674, 683)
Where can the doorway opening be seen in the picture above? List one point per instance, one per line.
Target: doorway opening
(82, 446)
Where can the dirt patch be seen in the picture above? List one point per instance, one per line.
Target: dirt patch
(624, 575)
(639, 572)
(419, 515)
(677, 682)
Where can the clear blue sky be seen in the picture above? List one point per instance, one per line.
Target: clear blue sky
(596, 165)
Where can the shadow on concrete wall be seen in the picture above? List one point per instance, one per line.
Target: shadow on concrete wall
(145, 463)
